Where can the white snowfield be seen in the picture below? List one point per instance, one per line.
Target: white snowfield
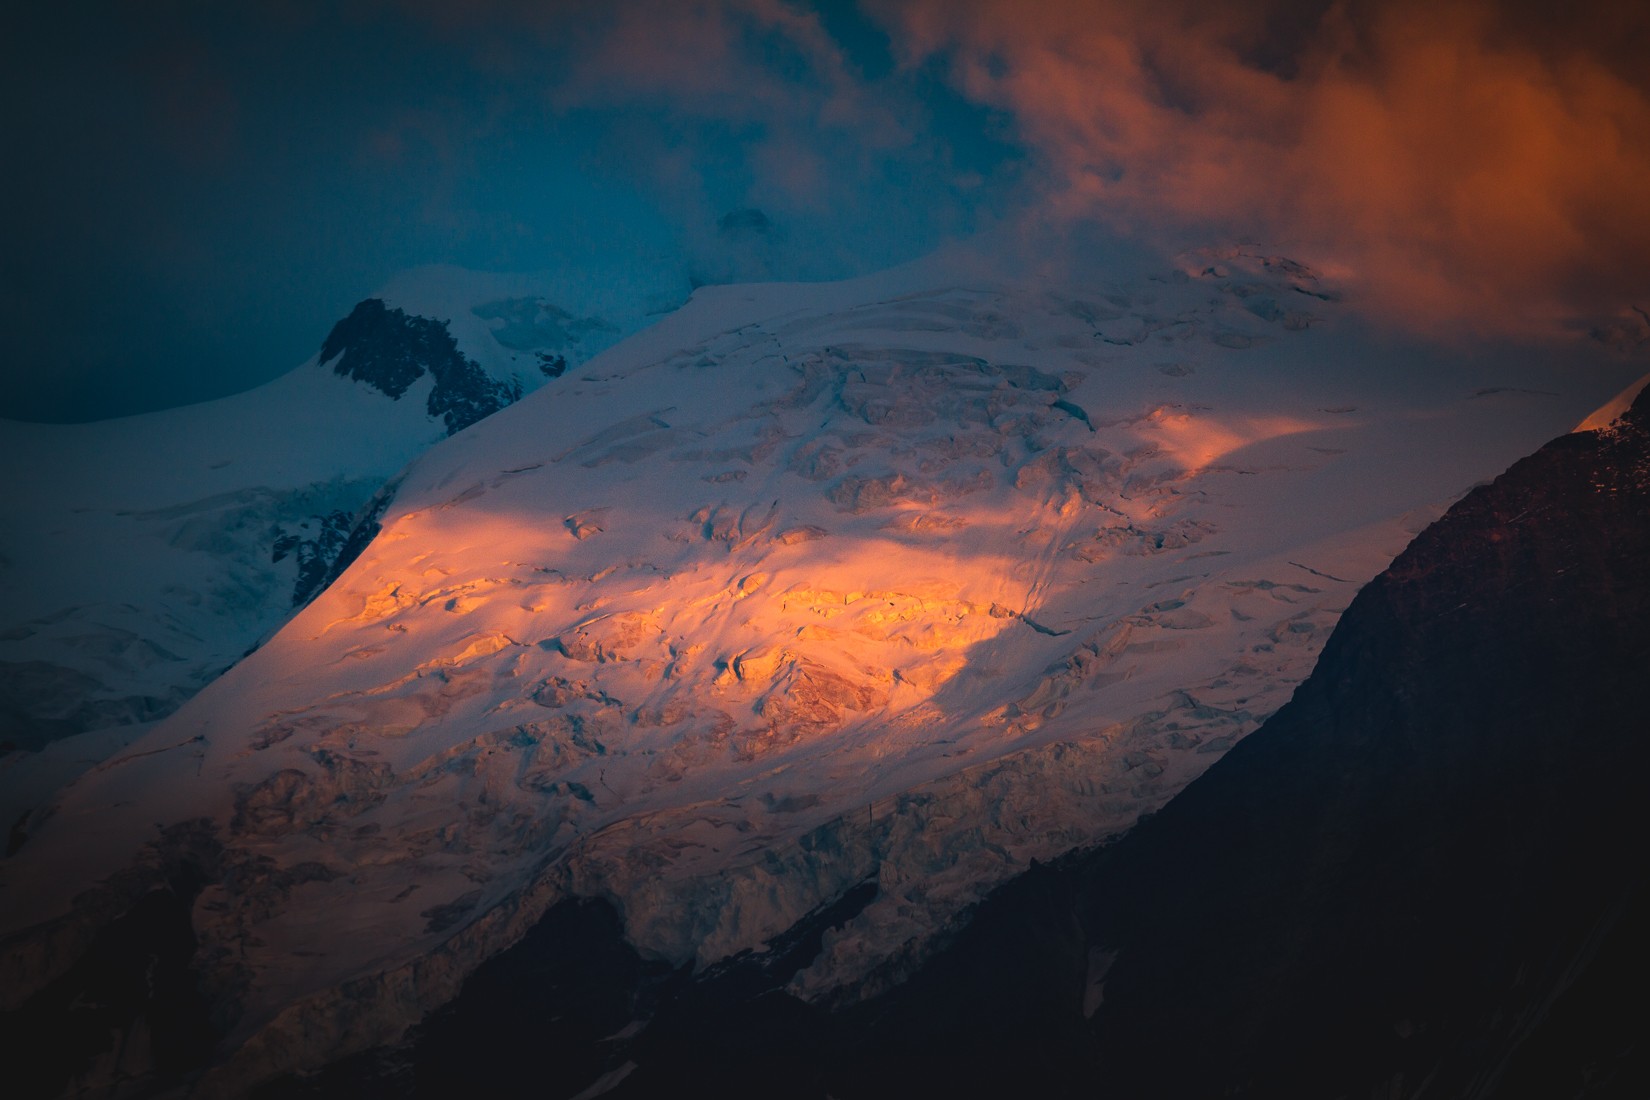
(900, 578)
(136, 559)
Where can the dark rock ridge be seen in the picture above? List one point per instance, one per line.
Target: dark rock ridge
(389, 350)
(1393, 881)
(128, 1017)
(566, 996)
(326, 545)
(314, 545)
(1424, 875)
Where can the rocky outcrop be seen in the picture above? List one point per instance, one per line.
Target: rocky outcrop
(389, 351)
(337, 541)
(314, 546)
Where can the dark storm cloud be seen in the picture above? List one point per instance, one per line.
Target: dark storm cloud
(187, 207)
(202, 189)
(199, 189)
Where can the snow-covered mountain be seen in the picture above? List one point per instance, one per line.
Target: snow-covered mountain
(143, 556)
(904, 581)
(1422, 877)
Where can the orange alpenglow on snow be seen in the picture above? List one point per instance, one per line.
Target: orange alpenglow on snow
(934, 577)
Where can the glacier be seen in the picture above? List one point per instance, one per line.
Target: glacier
(908, 580)
(144, 555)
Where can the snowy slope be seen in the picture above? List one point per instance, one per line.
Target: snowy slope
(901, 578)
(143, 555)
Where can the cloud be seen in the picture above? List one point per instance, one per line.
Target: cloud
(759, 77)
(1460, 162)
(717, 105)
(1465, 165)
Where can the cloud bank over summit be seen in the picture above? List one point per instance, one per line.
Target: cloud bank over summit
(202, 191)
(1463, 161)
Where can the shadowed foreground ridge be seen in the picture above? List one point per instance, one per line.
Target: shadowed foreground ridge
(1404, 877)
(1424, 873)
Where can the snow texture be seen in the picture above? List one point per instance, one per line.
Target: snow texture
(902, 578)
(142, 556)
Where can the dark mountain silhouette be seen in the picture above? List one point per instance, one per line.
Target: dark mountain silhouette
(1424, 875)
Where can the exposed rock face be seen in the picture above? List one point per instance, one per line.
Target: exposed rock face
(315, 545)
(389, 351)
(326, 545)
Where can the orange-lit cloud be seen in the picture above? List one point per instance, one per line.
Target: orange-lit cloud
(1476, 163)
(1462, 162)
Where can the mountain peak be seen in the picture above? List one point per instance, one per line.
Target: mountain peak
(389, 350)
